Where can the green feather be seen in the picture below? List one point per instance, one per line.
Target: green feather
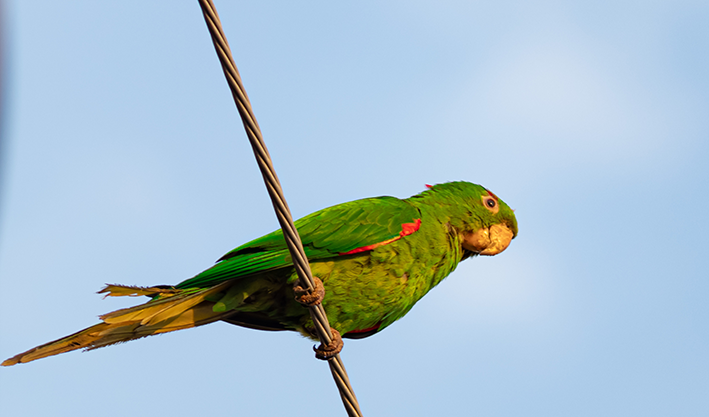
(373, 267)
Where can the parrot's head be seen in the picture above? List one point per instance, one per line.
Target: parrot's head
(485, 224)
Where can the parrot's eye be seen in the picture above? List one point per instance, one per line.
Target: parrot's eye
(490, 203)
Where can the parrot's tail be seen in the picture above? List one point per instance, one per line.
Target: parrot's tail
(169, 310)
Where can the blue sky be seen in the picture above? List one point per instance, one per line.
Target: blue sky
(125, 162)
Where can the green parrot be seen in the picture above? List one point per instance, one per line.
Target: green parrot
(375, 257)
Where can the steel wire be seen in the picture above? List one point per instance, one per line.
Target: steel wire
(275, 191)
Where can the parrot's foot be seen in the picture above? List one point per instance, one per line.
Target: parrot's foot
(314, 298)
(332, 349)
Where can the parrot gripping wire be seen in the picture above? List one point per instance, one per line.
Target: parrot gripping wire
(263, 159)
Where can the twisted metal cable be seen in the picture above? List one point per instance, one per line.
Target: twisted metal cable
(263, 159)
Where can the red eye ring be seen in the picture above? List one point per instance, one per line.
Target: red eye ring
(490, 202)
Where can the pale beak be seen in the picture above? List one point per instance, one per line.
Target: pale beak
(488, 241)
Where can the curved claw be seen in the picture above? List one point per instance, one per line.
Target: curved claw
(309, 299)
(331, 350)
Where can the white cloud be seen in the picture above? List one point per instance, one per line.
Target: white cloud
(563, 97)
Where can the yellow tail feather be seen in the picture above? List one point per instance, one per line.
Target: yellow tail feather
(114, 290)
(175, 312)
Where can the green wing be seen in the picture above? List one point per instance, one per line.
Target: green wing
(327, 233)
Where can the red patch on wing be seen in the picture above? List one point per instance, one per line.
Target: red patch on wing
(406, 229)
(409, 228)
(368, 329)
